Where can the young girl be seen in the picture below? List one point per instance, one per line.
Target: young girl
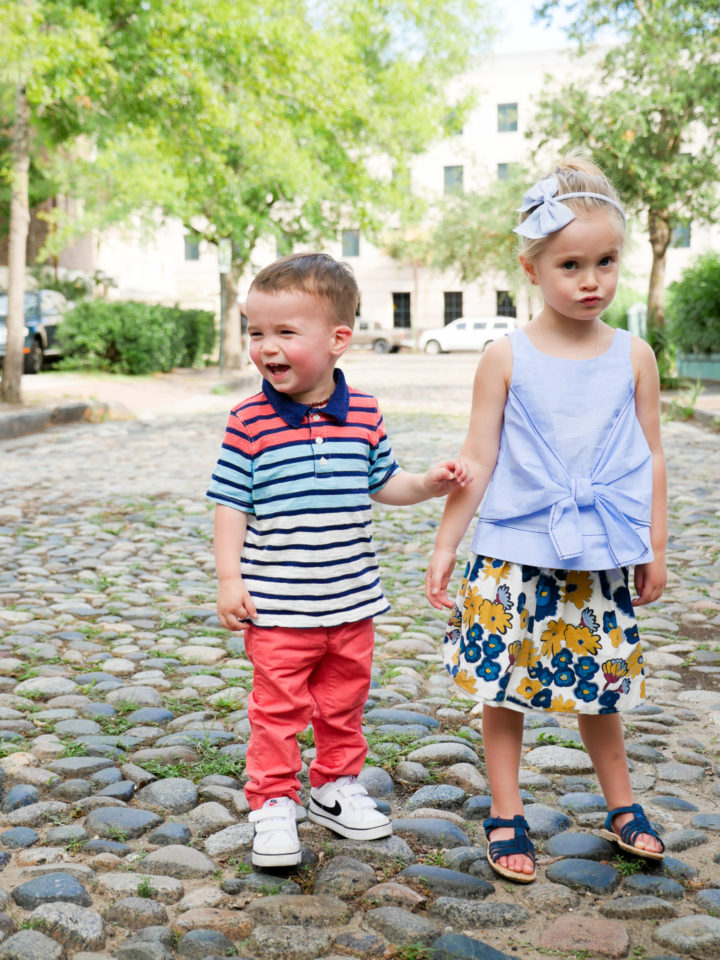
(564, 447)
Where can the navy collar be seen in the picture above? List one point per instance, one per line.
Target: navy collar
(293, 413)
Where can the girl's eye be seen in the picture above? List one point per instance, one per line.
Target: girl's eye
(570, 265)
(606, 261)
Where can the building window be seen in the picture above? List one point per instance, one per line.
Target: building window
(192, 247)
(453, 179)
(351, 243)
(505, 304)
(503, 171)
(453, 305)
(507, 117)
(401, 310)
(680, 236)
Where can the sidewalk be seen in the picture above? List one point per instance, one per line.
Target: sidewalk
(53, 399)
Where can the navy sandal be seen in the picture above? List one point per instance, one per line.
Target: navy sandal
(520, 844)
(630, 831)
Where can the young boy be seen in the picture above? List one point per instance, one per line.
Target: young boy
(296, 570)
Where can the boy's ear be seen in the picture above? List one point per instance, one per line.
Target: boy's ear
(529, 269)
(342, 336)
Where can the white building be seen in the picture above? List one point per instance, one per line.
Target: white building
(169, 267)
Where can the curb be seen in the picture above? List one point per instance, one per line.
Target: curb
(701, 418)
(23, 422)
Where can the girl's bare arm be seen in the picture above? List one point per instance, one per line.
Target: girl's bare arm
(479, 451)
(650, 578)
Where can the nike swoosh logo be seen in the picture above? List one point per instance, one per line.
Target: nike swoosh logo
(335, 810)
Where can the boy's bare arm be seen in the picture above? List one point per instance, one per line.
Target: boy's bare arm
(403, 488)
(234, 603)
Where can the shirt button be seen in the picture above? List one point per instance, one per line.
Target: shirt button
(318, 439)
(323, 461)
(315, 416)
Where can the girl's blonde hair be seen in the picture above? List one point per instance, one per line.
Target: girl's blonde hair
(575, 173)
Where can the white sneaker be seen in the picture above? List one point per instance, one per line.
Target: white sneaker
(345, 807)
(275, 843)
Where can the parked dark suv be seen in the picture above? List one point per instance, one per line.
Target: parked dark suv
(44, 310)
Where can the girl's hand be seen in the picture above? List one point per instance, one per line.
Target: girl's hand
(437, 577)
(234, 604)
(447, 476)
(650, 579)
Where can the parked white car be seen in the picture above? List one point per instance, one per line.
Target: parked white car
(466, 333)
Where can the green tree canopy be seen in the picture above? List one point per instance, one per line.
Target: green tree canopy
(249, 120)
(649, 114)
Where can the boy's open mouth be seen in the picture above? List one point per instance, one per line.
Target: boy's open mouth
(277, 368)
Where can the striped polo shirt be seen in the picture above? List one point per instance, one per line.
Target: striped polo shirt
(304, 477)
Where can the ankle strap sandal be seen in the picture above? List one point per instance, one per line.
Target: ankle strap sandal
(630, 831)
(519, 844)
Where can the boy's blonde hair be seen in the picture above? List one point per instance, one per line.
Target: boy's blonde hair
(575, 173)
(320, 276)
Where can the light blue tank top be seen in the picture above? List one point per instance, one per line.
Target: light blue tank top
(572, 487)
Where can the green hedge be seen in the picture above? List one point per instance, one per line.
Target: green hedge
(135, 338)
(692, 312)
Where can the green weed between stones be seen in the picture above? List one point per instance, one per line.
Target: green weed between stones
(210, 761)
(411, 951)
(551, 739)
(145, 888)
(627, 866)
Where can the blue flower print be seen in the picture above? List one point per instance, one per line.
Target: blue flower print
(631, 634)
(493, 646)
(488, 670)
(504, 681)
(623, 601)
(476, 567)
(544, 675)
(564, 677)
(609, 621)
(542, 699)
(586, 668)
(475, 633)
(563, 658)
(528, 573)
(472, 652)
(548, 594)
(586, 691)
(521, 602)
(608, 700)
(625, 686)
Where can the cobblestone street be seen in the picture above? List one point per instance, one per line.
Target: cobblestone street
(123, 727)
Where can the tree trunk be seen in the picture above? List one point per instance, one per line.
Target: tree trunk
(10, 389)
(659, 231)
(232, 344)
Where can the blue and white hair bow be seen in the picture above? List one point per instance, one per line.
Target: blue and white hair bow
(549, 213)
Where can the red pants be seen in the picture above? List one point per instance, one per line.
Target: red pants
(318, 674)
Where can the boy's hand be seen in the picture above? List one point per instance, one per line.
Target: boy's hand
(447, 476)
(437, 577)
(650, 580)
(234, 604)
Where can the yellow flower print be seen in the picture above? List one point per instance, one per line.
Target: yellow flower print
(552, 638)
(642, 688)
(524, 618)
(471, 605)
(528, 688)
(465, 680)
(561, 705)
(494, 617)
(455, 657)
(635, 661)
(497, 573)
(577, 588)
(581, 640)
(616, 635)
(528, 655)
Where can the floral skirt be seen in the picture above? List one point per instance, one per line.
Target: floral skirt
(530, 638)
